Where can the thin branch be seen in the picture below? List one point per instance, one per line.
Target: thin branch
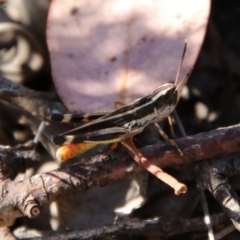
(214, 174)
(26, 198)
(149, 227)
(41, 104)
(200, 187)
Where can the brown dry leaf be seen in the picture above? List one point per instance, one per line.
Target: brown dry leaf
(103, 51)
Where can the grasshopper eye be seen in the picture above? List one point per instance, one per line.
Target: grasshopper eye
(170, 98)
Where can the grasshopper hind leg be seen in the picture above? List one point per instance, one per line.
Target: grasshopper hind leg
(150, 167)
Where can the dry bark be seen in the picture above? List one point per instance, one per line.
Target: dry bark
(26, 198)
(151, 227)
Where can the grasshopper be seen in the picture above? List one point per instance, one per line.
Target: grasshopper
(121, 125)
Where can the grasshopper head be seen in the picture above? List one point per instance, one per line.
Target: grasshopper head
(164, 99)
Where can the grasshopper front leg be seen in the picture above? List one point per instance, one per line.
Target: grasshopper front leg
(150, 167)
(167, 139)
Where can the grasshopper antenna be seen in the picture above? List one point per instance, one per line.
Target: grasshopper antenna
(181, 62)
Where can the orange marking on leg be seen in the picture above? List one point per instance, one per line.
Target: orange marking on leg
(71, 150)
(113, 146)
(86, 120)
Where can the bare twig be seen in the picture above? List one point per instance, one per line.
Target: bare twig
(14, 161)
(35, 106)
(207, 219)
(224, 232)
(41, 103)
(40, 190)
(149, 227)
(214, 174)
